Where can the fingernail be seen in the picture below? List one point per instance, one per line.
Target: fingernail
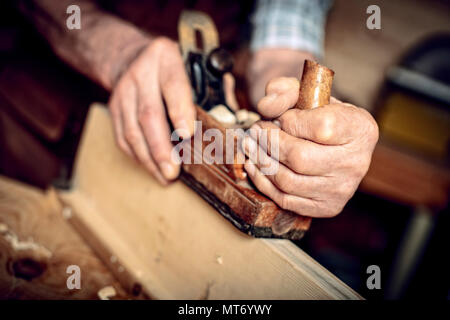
(168, 170)
(277, 123)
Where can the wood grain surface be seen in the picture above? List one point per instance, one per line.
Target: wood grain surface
(171, 243)
(37, 245)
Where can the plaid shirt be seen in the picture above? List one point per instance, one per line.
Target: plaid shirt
(295, 24)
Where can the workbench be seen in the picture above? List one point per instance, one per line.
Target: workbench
(161, 243)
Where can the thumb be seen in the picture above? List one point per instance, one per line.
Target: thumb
(281, 95)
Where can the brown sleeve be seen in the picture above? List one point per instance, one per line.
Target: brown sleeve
(101, 49)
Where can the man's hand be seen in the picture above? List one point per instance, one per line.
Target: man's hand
(323, 153)
(141, 127)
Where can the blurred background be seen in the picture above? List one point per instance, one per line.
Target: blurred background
(398, 219)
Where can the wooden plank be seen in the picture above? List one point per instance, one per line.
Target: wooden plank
(37, 245)
(171, 243)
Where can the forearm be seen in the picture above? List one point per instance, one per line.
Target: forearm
(101, 49)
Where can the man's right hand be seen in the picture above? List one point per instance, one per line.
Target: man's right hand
(154, 85)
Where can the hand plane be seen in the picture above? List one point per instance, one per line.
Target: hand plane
(226, 186)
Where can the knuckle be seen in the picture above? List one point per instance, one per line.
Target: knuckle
(132, 136)
(146, 115)
(159, 154)
(297, 159)
(162, 44)
(286, 202)
(325, 128)
(281, 180)
(288, 122)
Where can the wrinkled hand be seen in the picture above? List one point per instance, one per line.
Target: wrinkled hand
(323, 153)
(142, 131)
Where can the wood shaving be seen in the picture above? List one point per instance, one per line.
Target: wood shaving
(223, 115)
(18, 245)
(106, 293)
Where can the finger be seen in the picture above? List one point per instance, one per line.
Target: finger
(153, 122)
(299, 205)
(133, 133)
(281, 176)
(281, 94)
(334, 124)
(177, 93)
(300, 155)
(117, 116)
(229, 87)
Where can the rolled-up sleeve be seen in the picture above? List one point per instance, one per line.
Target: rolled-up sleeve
(294, 24)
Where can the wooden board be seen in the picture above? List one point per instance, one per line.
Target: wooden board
(37, 245)
(174, 245)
